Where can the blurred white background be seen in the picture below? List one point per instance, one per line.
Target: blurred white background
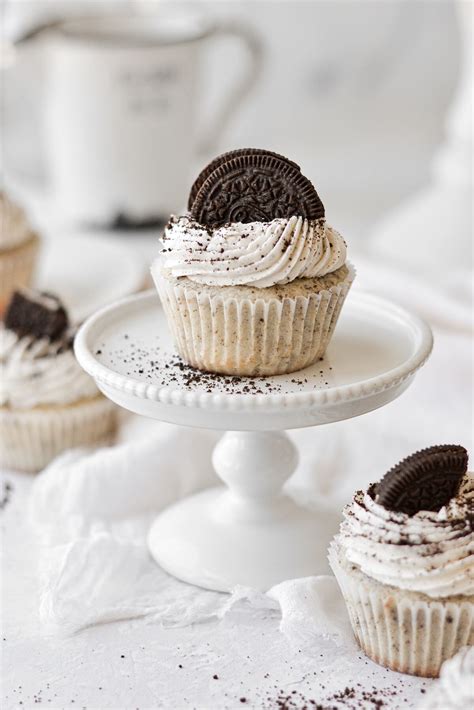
(356, 91)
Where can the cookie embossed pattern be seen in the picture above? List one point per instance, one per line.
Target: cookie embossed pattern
(248, 532)
(251, 185)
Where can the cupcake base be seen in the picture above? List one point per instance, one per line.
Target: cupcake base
(246, 331)
(30, 439)
(16, 268)
(405, 631)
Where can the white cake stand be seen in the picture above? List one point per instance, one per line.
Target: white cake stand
(249, 532)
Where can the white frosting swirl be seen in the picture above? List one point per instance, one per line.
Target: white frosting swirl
(38, 372)
(259, 254)
(14, 226)
(431, 553)
(455, 688)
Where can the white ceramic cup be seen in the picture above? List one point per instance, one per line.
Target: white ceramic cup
(121, 111)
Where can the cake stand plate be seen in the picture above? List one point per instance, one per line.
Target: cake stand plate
(248, 532)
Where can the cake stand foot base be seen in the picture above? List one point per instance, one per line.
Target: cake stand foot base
(216, 541)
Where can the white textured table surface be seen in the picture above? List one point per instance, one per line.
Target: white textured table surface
(240, 661)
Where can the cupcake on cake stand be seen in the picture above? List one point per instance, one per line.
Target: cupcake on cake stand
(252, 283)
(247, 531)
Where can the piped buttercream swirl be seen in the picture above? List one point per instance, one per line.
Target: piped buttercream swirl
(430, 552)
(259, 254)
(39, 372)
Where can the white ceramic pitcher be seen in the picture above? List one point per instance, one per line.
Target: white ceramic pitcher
(121, 111)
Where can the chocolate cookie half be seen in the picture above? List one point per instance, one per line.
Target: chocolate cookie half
(223, 158)
(426, 480)
(37, 314)
(253, 186)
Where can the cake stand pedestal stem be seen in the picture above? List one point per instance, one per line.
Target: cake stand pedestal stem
(248, 531)
(255, 465)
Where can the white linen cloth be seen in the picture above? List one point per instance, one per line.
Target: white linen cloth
(91, 510)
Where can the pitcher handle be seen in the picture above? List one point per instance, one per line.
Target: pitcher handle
(243, 86)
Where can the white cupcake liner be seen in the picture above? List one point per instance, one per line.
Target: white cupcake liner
(401, 630)
(234, 334)
(30, 439)
(16, 268)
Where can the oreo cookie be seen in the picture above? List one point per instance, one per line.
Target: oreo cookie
(223, 158)
(36, 314)
(426, 480)
(252, 185)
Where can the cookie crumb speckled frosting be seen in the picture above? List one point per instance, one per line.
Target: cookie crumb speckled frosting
(430, 552)
(37, 363)
(252, 278)
(259, 254)
(408, 579)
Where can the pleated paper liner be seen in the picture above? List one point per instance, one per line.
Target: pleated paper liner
(401, 630)
(227, 331)
(31, 438)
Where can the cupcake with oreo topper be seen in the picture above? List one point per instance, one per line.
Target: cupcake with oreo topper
(47, 402)
(404, 560)
(252, 278)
